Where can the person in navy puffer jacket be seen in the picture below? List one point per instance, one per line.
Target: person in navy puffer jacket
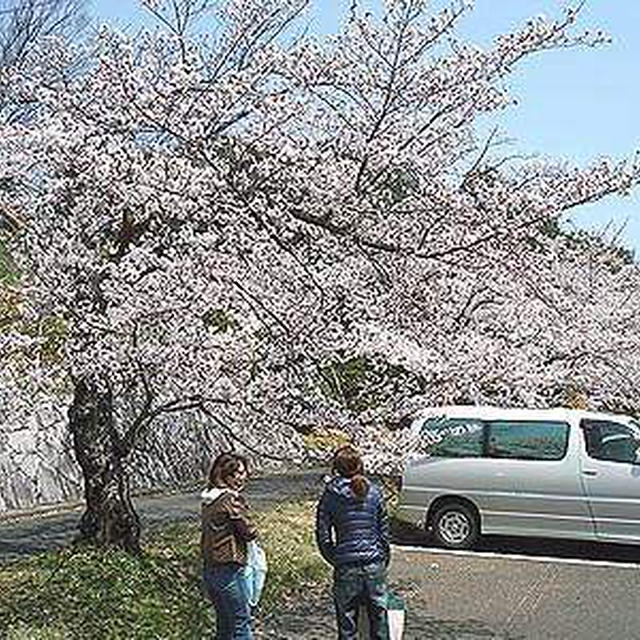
(352, 532)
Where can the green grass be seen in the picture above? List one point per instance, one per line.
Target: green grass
(87, 593)
(8, 272)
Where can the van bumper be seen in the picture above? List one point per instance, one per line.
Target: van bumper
(411, 515)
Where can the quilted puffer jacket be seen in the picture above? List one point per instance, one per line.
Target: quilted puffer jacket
(350, 530)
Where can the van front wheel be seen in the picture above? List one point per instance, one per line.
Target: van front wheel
(455, 526)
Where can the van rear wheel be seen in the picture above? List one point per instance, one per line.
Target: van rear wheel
(455, 526)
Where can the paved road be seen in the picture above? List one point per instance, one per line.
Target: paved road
(508, 588)
(492, 594)
(25, 535)
(486, 595)
(514, 588)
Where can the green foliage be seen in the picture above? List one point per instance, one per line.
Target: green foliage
(27, 632)
(8, 274)
(344, 380)
(53, 330)
(611, 254)
(398, 184)
(86, 593)
(9, 307)
(360, 383)
(219, 320)
(325, 440)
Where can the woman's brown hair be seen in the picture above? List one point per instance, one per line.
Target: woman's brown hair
(348, 463)
(224, 466)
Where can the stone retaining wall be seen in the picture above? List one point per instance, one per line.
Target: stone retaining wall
(37, 465)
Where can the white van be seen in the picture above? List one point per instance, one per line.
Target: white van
(557, 473)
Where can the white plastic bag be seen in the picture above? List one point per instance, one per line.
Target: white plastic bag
(396, 609)
(255, 572)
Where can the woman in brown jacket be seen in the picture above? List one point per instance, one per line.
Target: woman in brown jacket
(226, 529)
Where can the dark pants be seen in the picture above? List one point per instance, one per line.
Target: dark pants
(356, 586)
(226, 588)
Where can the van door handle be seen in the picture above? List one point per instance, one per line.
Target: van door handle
(589, 472)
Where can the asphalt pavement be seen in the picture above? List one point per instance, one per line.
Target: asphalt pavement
(529, 596)
(507, 589)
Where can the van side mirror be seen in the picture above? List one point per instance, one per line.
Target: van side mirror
(637, 456)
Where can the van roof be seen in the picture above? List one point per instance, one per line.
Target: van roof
(498, 413)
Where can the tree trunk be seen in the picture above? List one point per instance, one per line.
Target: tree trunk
(109, 518)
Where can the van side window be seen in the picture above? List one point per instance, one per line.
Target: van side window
(539, 440)
(607, 440)
(451, 437)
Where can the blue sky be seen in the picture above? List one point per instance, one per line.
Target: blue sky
(574, 104)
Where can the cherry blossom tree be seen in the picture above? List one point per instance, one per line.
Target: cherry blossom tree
(23, 23)
(222, 211)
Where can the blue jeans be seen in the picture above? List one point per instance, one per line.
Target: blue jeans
(356, 586)
(226, 587)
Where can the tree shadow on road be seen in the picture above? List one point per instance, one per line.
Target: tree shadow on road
(314, 619)
(405, 534)
(421, 626)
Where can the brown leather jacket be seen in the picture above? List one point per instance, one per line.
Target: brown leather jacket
(226, 527)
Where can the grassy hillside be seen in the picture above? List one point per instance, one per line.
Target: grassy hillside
(84, 593)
